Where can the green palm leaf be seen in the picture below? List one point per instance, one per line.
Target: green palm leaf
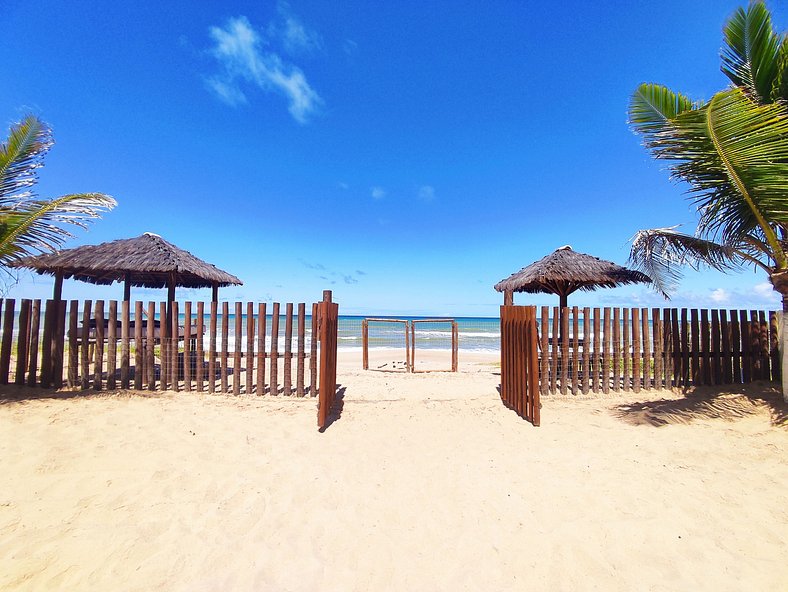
(660, 253)
(751, 51)
(29, 225)
(21, 156)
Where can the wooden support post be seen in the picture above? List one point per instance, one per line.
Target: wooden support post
(176, 367)
(261, 332)
(225, 357)
(139, 347)
(98, 350)
(287, 379)
(313, 386)
(250, 357)
(212, 349)
(35, 325)
(85, 372)
(200, 367)
(237, 347)
(125, 330)
(150, 345)
(274, 390)
(300, 353)
(22, 340)
(187, 346)
(112, 344)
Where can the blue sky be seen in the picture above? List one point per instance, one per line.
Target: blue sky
(405, 155)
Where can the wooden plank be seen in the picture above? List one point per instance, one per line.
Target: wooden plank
(686, 374)
(274, 390)
(35, 327)
(636, 350)
(22, 340)
(125, 347)
(626, 354)
(288, 359)
(695, 347)
(705, 348)
(575, 361)
(139, 347)
(647, 357)
(224, 355)
(726, 358)
(261, 333)
(177, 368)
(300, 353)
(716, 342)
(554, 351)
(774, 342)
(59, 344)
(675, 342)
(112, 344)
(237, 348)
(250, 357)
(564, 349)
(200, 362)
(7, 341)
(85, 351)
(657, 341)
(455, 346)
(667, 346)
(606, 343)
(150, 353)
(585, 367)
(746, 347)
(165, 367)
(596, 351)
(765, 357)
(755, 346)
(680, 355)
(46, 345)
(313, 385)
(616, 373)
(98, 349)
(736, 347)
(187, 346)
(212, 349)
(544, 369)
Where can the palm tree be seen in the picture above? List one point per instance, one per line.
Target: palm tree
(29, 225)
(733, 153)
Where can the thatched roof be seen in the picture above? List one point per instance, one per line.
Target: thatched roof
(147, 261)
(565, 271)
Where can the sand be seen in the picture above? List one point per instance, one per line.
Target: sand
(424, 482)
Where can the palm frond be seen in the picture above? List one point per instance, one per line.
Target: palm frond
(750, 55)
(35, 226)
(660, 253)
(20, 157)
(653, 107)
(733, 152)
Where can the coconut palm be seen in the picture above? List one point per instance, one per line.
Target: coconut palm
(29, 225)
(733, 153)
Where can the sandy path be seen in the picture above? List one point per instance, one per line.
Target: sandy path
(425, 482)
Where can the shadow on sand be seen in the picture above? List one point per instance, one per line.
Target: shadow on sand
(734, 402)
(336, 410)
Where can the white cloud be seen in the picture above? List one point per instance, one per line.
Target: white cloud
(378, 193)
(720, 295)
(238, 49)
(349, 46)
(427, 192)
(296, 37)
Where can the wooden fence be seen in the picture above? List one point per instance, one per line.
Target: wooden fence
(519, 361)
(599, 350)
(121, 345)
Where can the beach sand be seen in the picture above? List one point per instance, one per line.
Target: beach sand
(424, 482)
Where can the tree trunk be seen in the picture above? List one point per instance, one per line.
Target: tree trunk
(784, 349)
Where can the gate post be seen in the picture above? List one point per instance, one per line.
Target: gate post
(328, 313)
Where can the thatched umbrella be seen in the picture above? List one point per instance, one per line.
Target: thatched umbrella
(147, 261)
(565, 271)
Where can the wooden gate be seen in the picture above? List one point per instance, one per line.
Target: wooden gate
(328, 313)
(520, 361)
